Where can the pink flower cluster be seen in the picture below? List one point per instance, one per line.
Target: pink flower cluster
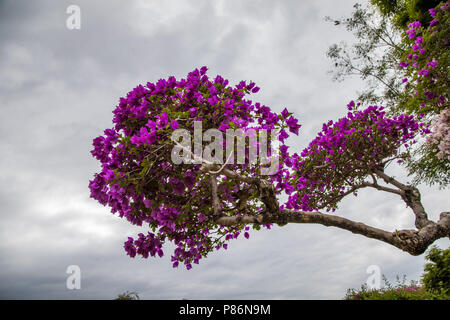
(440, 134)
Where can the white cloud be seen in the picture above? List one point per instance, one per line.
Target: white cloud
(153, 16)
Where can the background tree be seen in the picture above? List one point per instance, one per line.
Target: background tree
(406, 71)
(200, 205)
(374, 57)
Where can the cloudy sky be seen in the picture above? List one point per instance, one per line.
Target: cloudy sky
(58, 88)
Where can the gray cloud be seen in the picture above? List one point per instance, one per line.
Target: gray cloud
(58, 89)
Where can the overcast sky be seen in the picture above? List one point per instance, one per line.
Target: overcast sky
(58, 88)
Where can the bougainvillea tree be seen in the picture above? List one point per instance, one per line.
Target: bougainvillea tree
(200, 205)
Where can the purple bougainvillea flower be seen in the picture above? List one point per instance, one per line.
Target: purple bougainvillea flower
(213, 100)
(147, 203)
(293, 125)
(283, 135)
(350, 105)
(174, 124)
(162, 120)
(255, 89)
(177, 186)
(430, 95)
(189, 180)
(432, 63)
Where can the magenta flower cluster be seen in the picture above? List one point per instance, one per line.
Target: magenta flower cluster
(339, 159)
(426, 61)
(139, 182)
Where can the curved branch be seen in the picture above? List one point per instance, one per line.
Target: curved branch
(390, 180)
(411, 241)
(411, 196)
(382, 188)
(215, 197)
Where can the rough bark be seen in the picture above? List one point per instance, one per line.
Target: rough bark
(412, 241)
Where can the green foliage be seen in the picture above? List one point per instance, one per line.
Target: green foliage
(398, 293)
(426, 167)
(437, 272)
(128, 295)
(387, 7)
(401, 12)
(435, 283)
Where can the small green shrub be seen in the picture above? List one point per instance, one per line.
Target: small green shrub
(437, 272)
(128, 296)
(413, 292)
